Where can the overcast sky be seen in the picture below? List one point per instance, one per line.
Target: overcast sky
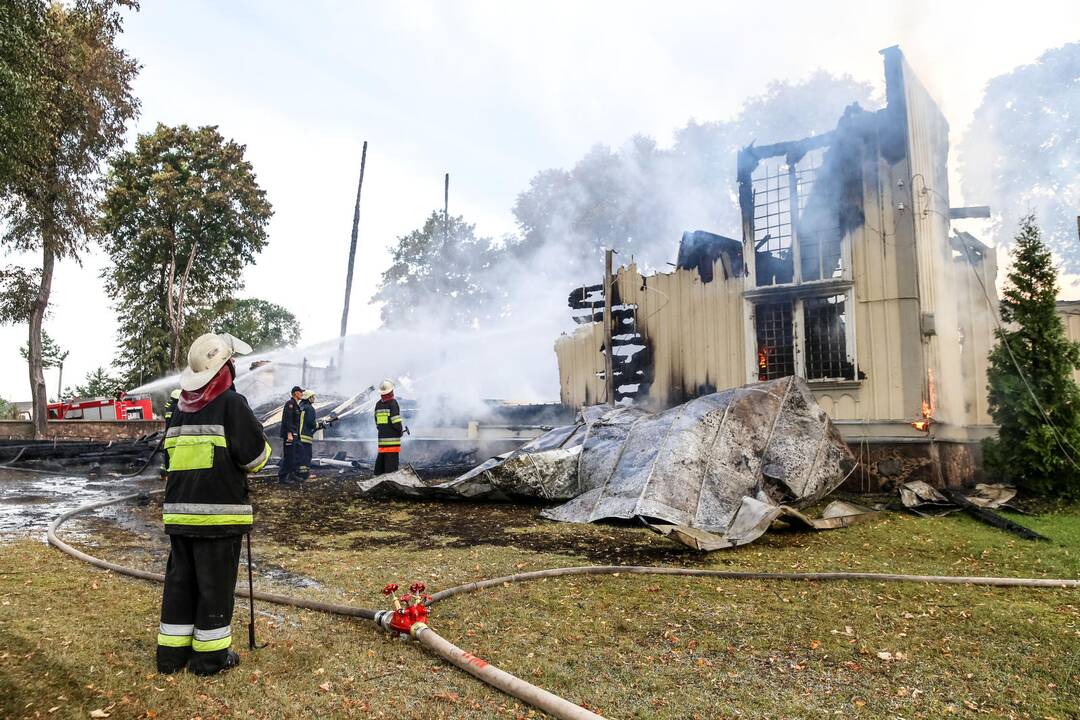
(490, 92)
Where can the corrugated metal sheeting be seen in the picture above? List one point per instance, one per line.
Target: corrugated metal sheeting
(581, 366)
(695, 330)
(928, 151)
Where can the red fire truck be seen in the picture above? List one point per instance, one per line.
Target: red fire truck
(126, 407)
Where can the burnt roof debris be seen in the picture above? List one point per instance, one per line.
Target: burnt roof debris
(699, 250)
(711, 473)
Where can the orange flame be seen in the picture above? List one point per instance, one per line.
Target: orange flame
(928, 406)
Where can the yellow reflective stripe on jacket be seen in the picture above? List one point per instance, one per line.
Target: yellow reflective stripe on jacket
(174, 640)
(203, 520)
(389, 441)
(192, 452)
(396, 418)
(305, 439)
(260, 462)
(211, 645)
(382, 417)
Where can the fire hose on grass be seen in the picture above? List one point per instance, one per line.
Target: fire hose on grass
(410, 614)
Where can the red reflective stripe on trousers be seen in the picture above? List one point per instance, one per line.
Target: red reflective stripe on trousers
(390, 449)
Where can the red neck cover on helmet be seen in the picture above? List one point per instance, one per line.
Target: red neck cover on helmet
(195, 400)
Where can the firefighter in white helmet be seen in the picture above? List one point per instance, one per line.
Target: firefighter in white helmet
(214, 441)
(390, 429)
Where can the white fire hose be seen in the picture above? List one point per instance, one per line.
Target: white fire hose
(510, 684)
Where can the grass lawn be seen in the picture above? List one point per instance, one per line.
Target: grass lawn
(74, 640)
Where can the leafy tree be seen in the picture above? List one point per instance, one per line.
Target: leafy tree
(263, 325)
(18, 290)
(183, 215)
(437, 275)
(1022, 152)
(1033, 398)
(52, 356)
(97, 384)
(7, 410)
(80, 85)
(51, 353)
(22, 30)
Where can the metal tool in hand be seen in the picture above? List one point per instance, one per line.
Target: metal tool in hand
(251, 599)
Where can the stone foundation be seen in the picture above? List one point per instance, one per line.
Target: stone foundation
(883, 465)
(86, 430)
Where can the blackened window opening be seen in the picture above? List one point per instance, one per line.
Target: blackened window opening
(816, 232)
(818, 227)
(825, 323)
(775, 340)
(774, 262)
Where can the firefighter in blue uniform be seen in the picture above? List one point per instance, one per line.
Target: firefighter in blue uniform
(214, 441)
(308, 425)
(390, 429)
(290, 434)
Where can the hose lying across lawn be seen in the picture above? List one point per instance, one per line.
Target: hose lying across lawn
(504, 681)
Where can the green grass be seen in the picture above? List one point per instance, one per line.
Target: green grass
(78, 639)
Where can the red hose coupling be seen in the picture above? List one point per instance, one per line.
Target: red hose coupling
(410, 612)
(404, 619)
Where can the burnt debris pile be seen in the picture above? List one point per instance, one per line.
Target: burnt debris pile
(713, 472)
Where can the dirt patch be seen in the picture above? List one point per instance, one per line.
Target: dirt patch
(324, 513)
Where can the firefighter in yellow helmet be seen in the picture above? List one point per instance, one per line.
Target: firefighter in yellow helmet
(214, 442)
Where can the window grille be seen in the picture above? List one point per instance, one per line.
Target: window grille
(775, 340)
(825, 330)
(773, 260)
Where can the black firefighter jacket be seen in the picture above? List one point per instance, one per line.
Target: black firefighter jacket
(211, 451)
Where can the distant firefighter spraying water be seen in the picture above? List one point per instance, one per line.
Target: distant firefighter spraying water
(214, 441)
(390, 428)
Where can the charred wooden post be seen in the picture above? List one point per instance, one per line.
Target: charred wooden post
(609, 373)
(352, 248)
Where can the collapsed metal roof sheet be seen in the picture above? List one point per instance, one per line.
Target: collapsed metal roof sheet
(716, 468)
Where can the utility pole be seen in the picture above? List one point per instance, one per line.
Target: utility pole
(446, 208)
(609, 360)
(352, 250)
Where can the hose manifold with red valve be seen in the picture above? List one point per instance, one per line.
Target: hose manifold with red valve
(410, 612)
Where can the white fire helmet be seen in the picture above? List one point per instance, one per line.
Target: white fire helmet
(308, 395)
(386, 387)
(207, 355)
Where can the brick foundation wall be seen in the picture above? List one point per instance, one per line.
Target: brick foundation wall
(102, 430)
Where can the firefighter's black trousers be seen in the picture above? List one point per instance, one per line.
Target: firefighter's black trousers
(197, 605)
(386, 462)
(288, 458)
(303, 460)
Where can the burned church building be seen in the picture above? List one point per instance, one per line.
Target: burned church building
(849, 273)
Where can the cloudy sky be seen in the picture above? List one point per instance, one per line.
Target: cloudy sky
(490, 92)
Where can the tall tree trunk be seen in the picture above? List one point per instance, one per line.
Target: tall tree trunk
(178, 314)
(37, 316)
